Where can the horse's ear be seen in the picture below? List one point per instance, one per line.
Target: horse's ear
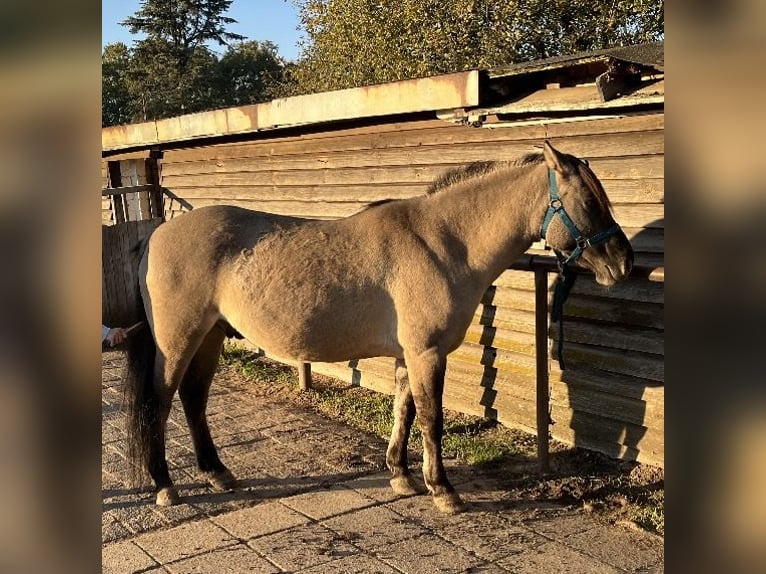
(553, 159)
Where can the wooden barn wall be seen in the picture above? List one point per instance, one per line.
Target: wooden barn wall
(125, 171)
(119, 268)
(610, 398)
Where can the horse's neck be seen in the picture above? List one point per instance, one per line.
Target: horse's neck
(497, 217)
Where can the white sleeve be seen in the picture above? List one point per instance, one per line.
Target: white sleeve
(104, 332)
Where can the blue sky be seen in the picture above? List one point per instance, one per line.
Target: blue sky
(274, 20)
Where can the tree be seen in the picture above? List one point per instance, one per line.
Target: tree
(173, 71)
(184, 25)
(250, 72)
(117, 104)
(357, 42)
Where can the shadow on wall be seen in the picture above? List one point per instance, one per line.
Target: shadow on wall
(614, 359)
(614, 356)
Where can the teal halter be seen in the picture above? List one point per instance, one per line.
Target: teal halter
(555, 207)
(566, 276)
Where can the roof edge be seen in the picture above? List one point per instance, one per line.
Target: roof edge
(456, 90)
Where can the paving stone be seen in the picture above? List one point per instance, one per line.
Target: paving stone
(260, 520)
(326, 503)
(555, 557)
(124, 558)
(374, 486)
(427, 554)
(303, 547)
(373, 528)
(561, 524)
(351, 565)
(111, 529)
(230, 560)
(625, 549)
(183, 541)
(491, 536)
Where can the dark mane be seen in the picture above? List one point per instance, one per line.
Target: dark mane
(461, 174)
(531, 158)
(377, 203)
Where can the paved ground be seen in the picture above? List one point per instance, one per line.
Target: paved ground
(306, 507)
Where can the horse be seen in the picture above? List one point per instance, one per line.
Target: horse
(400, 278)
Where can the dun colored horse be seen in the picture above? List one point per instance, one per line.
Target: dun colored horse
(401, 278)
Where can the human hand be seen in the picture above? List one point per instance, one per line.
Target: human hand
(115, 336)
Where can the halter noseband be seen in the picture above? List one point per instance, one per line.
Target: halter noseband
(555, 207)
(566, 276)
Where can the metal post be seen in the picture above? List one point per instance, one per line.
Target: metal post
(541, 355)
(304, 376)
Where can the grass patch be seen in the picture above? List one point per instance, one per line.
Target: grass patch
(650, 513)
(473, 440)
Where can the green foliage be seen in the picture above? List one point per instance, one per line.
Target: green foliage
(116, 100)
(183, 24)
(357, 42)
(250, 72)
(172, 71)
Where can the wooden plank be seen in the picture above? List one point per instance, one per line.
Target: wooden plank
(606, 404)
(652, 120)
(498, 338)
(593, 146)
(616, 439)
(409, 134)
(644, 365)
(609, 335)
(629, 191)
(616, 311)
(633, 167)
(640, 215)
(645, 190)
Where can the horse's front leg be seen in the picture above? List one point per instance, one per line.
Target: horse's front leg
(396, 455)
(426, 374)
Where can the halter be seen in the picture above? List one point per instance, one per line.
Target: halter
(566, 277)
(555, 207)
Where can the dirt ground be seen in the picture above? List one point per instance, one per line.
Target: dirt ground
(615, 492)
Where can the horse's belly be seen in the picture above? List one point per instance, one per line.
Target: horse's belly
(324, 335)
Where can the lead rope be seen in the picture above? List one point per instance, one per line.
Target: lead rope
(560, 294)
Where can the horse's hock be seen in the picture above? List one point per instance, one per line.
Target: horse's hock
(331, 156)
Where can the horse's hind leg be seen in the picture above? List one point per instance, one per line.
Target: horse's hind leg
(193, 391)
(175, 350)
(396, 455)
(427, 383)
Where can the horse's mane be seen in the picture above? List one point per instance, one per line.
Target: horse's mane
(479, 168)
(462, 173)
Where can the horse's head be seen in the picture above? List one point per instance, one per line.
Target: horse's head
(578, 224)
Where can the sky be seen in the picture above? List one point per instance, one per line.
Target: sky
(273, 20)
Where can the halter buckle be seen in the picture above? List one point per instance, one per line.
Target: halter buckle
(556, 204)
(583, 242)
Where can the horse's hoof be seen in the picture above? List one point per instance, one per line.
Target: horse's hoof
(168, 497)
(404, 485)
(449, 503)
(221, 481)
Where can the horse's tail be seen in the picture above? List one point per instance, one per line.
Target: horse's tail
(139, 400)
